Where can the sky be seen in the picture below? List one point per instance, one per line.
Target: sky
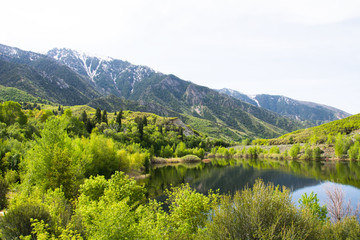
(303, 49)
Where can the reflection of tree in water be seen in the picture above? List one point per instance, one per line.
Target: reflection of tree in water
(231, 175)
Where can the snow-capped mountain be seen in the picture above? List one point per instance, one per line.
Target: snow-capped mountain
(109, 75)
(69, 77)
(43, 77)
(295, 109)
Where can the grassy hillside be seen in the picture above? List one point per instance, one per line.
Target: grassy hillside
(14, 94)
(320, 133)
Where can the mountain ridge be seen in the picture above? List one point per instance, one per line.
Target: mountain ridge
(69, 77)
(312, 112)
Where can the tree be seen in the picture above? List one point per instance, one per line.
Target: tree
(89, 126)
(98, 115)
(10, 112)
(83, 117)
(188, 211)
(145, 122)
(311, 202)
(52, 161)
(354, 151)
(140, 126)
(104, 117)
(294, 150)
(118, 119)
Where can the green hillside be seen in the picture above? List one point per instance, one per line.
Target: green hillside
(14, 94)
(320, 134)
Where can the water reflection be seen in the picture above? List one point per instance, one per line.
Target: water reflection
(231, 175)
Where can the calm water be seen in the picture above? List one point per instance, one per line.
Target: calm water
(232, 175)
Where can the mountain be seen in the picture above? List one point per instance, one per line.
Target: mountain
(314, 113)
(110, 76)
(169, 95)
(69, 77)
(42, 76)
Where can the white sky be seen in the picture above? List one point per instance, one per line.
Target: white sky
(303, 49)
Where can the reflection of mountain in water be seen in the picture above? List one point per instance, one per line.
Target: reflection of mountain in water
(230, 179)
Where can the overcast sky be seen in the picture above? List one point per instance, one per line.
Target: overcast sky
(304, 49)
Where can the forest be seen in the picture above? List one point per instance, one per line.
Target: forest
(67, 174)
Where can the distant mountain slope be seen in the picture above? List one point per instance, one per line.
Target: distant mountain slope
(110, 76)
(43, 77)
(168, 95)
(295, 109)
(349, 125)
(17, 95)
(68, 77)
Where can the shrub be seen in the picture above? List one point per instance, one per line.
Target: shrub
(264, 212)
(316, 154)
(312, 203)
(4, 189)
(294, 150)
(17, 221)
(191, 158)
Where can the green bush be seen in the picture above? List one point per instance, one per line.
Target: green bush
(264, 212)
(17, 221)
(294, 150)
(4, 189)
(191, 158)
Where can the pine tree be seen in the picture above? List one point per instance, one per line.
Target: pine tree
(145, 121)
(83, 117)
(140, 125)
(98, 115)
(104, 117)
(118, 119)
(88, 125)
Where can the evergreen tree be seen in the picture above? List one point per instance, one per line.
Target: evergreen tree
(145, 121)
(83, 117)
(140, 125)
(98, 115)
(88, 125)
(118, 119)
(104, 117)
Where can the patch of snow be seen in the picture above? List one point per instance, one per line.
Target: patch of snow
(13, 51)
(88, 68)
(114, 80)
(253, 97)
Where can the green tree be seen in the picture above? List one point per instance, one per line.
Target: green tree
(354, 151)
(104, 117)
(97, 116)
(312, 203)
(105, 207)
(140, 126)
(294, 150)
(52, 162)
(316, 153)
(83, 117)
(118, 119)
(188, 211)
(10, 112)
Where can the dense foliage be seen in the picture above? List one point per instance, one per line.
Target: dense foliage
(318, 134)
(65, 172)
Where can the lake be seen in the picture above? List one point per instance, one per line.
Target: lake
(232, 175)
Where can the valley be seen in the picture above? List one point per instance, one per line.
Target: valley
(75, 129)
